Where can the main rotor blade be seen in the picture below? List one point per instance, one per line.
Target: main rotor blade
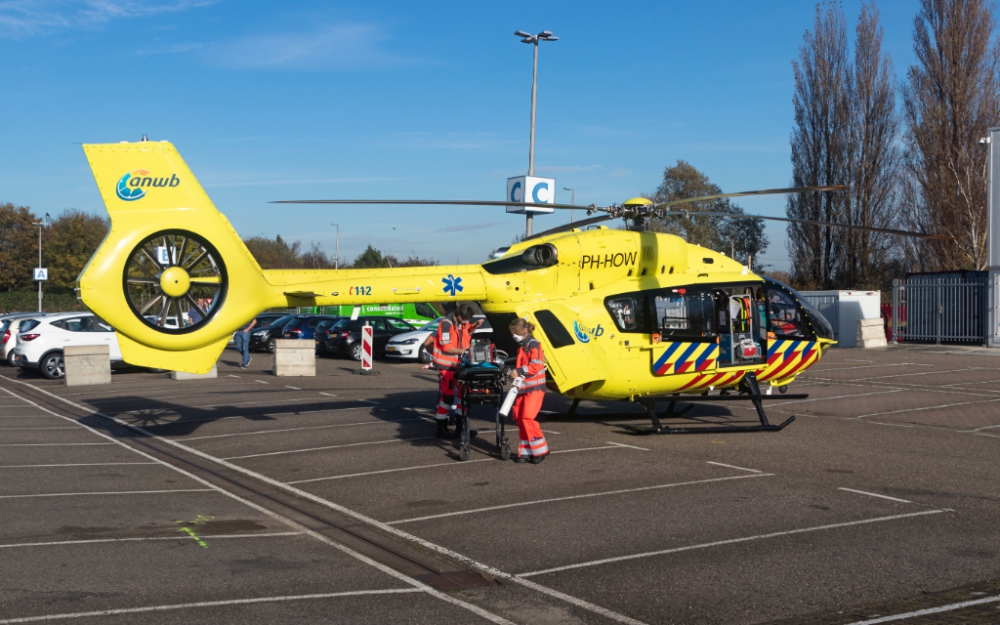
(567, 227)
(444, 202)
(836, 187)
(902, 233)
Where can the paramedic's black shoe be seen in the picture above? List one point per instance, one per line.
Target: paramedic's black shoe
(538, 459)
(442, 430)
(522, 459)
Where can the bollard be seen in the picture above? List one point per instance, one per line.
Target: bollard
(181, 375)
(87, 365)
(871, 333)
(293, 357)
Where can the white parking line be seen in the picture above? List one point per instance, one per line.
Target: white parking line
(944, 608)
(314, 427)
(260, 381)
(89, 464)
(961, 403)
(907, 375)
(61, 543)
(571, 497)
(731, 541)
(123, 492)
(624, 445)
(211, 604)
(731, 466)
(442, 464)
(806, 401)
(863, 492)
(328, 394)
(294, 388)
(233, 376)
(299, 451)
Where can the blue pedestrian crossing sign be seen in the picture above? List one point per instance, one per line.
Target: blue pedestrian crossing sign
(41, 274)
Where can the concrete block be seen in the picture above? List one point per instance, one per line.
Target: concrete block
(182, 375)
(871, 333)
(293, 357)
(87, 365)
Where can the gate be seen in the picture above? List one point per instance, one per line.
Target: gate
(943, 308)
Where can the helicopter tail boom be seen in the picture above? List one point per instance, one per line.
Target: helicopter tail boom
(175, 279)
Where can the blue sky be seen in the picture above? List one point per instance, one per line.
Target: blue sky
(309, 100)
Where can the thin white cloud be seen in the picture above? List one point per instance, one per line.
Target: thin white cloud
(25, 18)
(177, 48)
(620, 172)
(341, 46)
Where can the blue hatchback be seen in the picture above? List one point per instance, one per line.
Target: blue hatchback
(303, 326)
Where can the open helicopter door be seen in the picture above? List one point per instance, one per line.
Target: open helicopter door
(571, 361)
(740, 340)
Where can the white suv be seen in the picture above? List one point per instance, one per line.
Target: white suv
(8, 332)
(40, 342)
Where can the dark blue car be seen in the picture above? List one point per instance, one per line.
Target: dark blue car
(303, 326)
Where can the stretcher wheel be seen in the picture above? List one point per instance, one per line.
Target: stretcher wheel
(505, 451)
(165, 276)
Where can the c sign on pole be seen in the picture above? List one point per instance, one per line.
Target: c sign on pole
(366, 347)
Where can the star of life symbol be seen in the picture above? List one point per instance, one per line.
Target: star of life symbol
(452, 285)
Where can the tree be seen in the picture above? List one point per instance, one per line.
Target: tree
(371, 258)
(274, 254)
(951, 98)
(740, 237)
(18, 246)
(874, 161)
(69, 244)
(819, 146)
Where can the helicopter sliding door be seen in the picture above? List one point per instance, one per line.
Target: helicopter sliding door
(685, 336)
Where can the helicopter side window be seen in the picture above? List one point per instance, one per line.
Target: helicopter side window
(785, 317)
(680, 314)
(628, 313)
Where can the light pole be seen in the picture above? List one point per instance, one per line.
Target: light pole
(336, 259)
(572, 200)
(44, 223)
(545, 35)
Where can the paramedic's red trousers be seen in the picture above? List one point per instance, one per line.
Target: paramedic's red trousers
(525, 410)
(448, 388)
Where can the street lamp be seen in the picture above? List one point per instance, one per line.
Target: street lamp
(545, 35)
(336, 259)
(44, 223)
(572, 200)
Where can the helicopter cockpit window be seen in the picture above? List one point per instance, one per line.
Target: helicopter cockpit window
(682, 314)
(628, 313)
(785, 316)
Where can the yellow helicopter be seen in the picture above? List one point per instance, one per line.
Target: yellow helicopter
(622, 315)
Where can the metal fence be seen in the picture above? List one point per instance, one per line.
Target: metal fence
(943, 308)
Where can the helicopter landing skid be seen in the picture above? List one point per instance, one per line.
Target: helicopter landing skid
(750, 391)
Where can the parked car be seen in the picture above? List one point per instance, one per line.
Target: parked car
(345, 336)
(170, 322)
(262, 339)
(266, 319)
(40, 342)
(8, 332)
(303, 327)
(322, 333)
(410, 345)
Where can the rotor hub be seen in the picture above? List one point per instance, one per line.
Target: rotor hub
(175, 282)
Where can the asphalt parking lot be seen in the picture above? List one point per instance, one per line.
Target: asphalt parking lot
(256, 499)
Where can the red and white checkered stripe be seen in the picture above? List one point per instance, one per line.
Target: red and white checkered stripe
(366, 347)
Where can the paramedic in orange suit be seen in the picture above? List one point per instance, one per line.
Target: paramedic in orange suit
(531, 371)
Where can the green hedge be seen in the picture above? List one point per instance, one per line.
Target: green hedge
(27, 301)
